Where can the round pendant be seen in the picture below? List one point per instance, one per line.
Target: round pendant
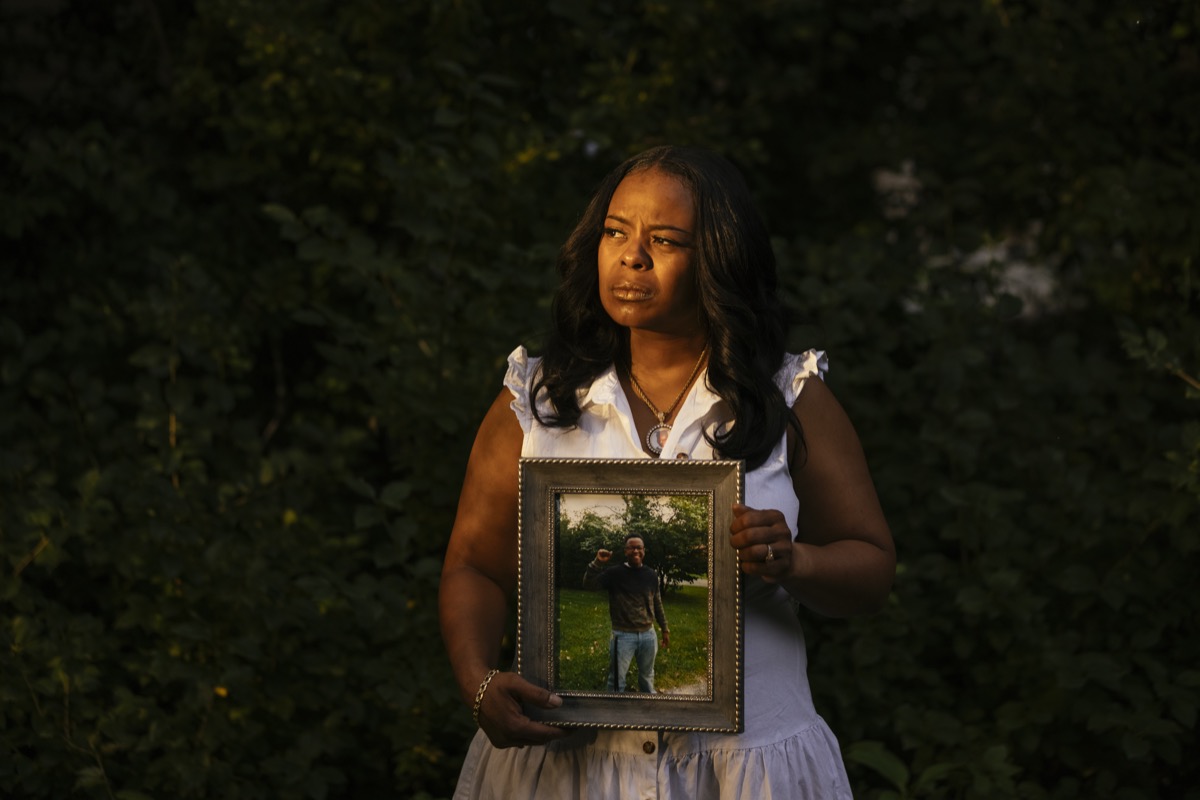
(656, 439)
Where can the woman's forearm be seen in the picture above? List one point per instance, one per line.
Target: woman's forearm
(473, 609)
(842, 578)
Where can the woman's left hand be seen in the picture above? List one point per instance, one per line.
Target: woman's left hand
(764, 542)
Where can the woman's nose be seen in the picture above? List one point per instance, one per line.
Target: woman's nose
(635, 256)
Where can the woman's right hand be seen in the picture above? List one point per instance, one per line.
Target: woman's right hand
(503, 719)
(602, 556)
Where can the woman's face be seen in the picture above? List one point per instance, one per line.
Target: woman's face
(647, 255)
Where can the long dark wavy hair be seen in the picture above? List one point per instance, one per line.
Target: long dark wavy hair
(736, 283)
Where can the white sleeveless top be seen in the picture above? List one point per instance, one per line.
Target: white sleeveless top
(786, 749)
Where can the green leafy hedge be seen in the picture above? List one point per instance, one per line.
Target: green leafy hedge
(264, 261)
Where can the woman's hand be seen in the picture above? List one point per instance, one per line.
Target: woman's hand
(763, 542)
(841, 560)
(503, 719)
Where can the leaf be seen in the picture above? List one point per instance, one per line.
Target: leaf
(1078, 579)
(394, 494)
(931, 775)
(360, 487)
(88, 777)
(367, 517)
(280, 214)
(875, 756)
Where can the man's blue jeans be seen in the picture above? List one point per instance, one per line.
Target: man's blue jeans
(623, 647)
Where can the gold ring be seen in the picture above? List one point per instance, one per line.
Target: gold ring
(770, 554)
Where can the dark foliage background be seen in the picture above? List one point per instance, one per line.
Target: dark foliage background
(263, 262)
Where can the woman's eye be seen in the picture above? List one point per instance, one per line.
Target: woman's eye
(662, 241)
(612, 233)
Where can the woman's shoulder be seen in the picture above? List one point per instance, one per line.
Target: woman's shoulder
(522, 367)
(519, 378)
(796, 368)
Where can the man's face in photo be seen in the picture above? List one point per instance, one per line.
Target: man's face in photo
(635, 552)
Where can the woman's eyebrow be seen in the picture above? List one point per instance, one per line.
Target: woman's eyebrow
(623, 221)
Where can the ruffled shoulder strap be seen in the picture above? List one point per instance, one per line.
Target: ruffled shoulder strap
(796, 369)
(522, 372)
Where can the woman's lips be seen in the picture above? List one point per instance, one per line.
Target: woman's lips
(631, 292)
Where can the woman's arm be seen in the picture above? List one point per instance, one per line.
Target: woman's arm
(842, 560)
(480, 574)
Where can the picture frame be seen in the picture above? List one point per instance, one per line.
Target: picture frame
(573, 510)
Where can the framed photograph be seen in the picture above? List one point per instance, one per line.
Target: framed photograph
(629, 600)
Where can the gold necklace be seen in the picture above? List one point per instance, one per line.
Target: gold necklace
(656, 437)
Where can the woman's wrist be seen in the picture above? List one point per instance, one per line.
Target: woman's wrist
(469, 678)
(800, 567)
(799, 570)
(480, 692)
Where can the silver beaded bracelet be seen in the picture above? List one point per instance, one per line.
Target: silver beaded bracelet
(479, 695)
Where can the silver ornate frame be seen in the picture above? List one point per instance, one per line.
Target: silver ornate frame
(542, 482)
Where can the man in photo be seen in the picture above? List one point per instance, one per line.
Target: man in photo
(634, 605)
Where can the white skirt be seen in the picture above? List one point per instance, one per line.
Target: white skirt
(787, 750)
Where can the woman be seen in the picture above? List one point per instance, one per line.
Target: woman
(668, 341)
